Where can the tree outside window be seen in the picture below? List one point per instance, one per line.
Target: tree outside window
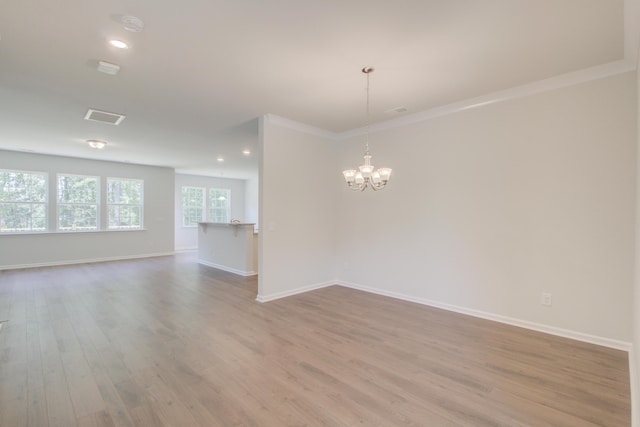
(78, 203)
(124, 203)
(23, 201)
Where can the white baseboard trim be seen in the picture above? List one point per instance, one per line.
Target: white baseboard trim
(278, 295)
(229, 269)
(82, 261)
(566, 333)
(183, 250)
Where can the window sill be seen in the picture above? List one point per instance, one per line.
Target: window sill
(32, 233)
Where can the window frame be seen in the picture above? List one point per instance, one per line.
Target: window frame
(185, 207)
(212, 208)
(31, 203)
(139, 205)
(60, 204)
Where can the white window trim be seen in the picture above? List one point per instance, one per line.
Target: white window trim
(210, 207)
(59, 204)
(141, 205)
(46, 202)
(204, 206)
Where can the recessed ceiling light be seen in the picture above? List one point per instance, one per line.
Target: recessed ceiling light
(96, 143)
(246, 152)
(220, 159)
(119, 44)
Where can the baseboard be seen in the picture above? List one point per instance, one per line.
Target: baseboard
(187, 249)
(82, 261)
(278, 295)
(579, 336)
(229, 269)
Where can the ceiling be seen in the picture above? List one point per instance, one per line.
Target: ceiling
(194, 82)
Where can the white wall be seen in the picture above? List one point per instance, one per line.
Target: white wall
(492, 206)
(299, 185)
(60, 248)
(187, 237)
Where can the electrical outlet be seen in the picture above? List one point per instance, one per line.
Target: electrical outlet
(546, 299)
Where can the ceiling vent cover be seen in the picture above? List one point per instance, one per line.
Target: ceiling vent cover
(104, 117)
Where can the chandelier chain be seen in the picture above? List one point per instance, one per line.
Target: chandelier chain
(367, 118)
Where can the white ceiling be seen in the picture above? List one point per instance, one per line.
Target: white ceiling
(195, 80)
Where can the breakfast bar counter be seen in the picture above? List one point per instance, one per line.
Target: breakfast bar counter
(228, 246)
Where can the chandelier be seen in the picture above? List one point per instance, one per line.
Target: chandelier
(367, 175)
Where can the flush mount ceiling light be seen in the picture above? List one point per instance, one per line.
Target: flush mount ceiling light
(246, 152)
(367, 176)
(96, 143)
(118, 44)
(220, 159)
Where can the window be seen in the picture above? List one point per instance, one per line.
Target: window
(23, 201)
(77, 203)
(124, 203)
(193, 206)
(219, 205)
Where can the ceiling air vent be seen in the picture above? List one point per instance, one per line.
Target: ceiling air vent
(104, 117)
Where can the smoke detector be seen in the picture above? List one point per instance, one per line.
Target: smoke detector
(133, 24)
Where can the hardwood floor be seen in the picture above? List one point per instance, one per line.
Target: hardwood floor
(166, 342)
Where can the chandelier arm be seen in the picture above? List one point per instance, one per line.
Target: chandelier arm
(378, 186)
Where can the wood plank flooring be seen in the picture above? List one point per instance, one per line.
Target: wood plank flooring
(167, 342)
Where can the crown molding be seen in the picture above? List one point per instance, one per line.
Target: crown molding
(300, 127)
(553, 83)
(557, 82)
